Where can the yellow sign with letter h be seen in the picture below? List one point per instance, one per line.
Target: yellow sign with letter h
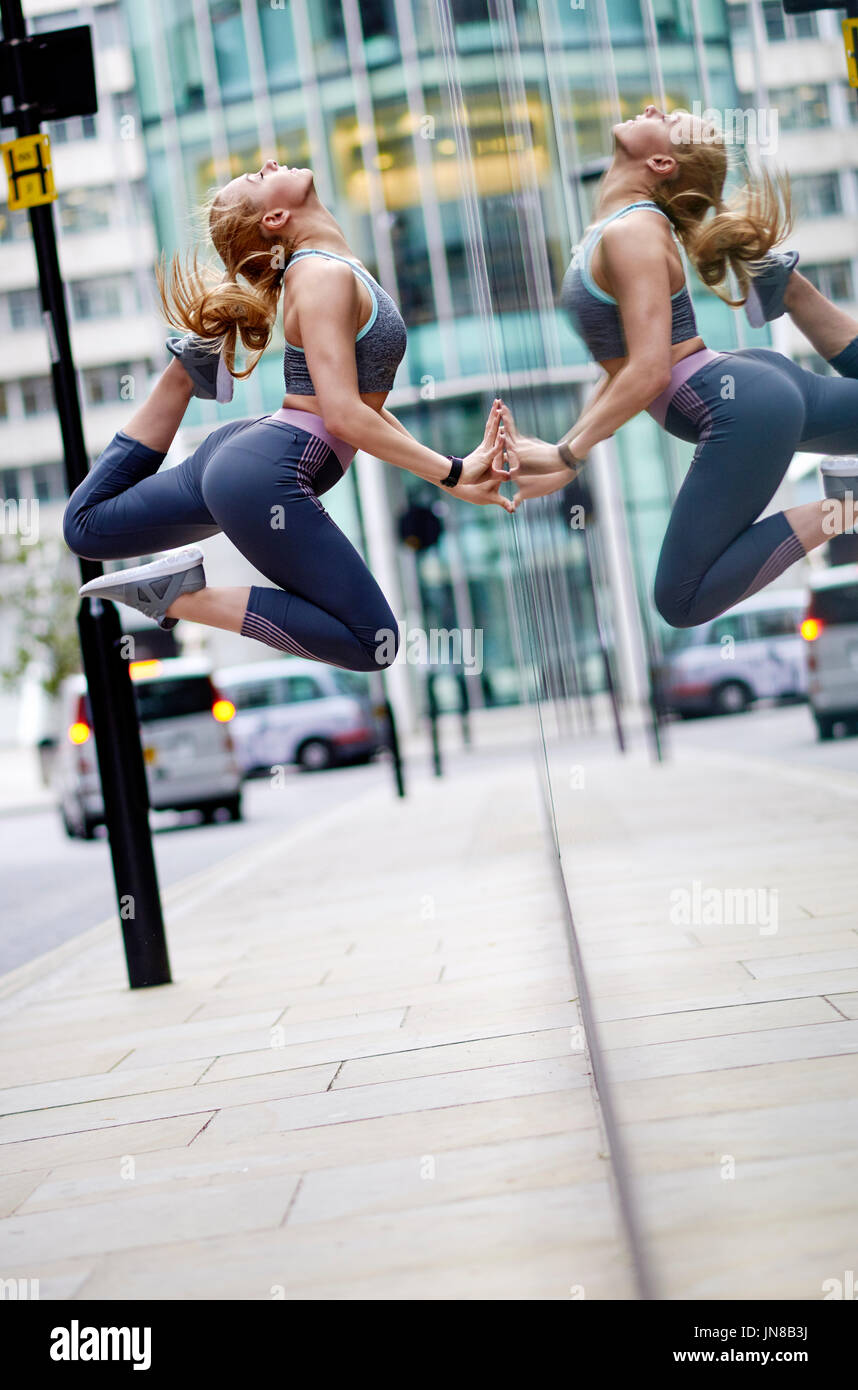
(28, 168)
(850, 39)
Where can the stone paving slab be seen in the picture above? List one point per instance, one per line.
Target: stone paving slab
(730, 1040)
(378, 1088)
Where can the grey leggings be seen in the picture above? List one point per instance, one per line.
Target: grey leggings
(259, 482)
(748, 412)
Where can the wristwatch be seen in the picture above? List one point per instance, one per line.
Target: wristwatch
(568, 457)
(456, 465)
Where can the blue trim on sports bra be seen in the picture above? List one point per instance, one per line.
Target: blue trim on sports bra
(361, 274)
(592, 239)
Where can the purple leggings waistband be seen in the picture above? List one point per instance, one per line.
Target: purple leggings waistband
(678, 377)
(313, 424)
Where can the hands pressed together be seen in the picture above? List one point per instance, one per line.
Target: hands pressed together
(505, 455)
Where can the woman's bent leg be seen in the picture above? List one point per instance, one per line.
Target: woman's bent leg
(328, 606)
(715, 551)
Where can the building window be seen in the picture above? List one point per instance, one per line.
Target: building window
(801, 108)
(10, 485)
(14, 226)
(833, 279)
(774, 20)
(99, 299)
(739, 21)
(72, 128)
(102, 385)
(816, 195)
(804, 26)
(86, 209)
(25, 308)
(48, 482)
(36, 395)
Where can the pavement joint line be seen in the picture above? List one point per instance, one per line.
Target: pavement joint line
(643, 1273)
(30, 971)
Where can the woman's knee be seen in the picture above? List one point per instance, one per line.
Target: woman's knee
(671, 606)
(380, 644)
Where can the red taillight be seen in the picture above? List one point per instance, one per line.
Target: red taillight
(810, 629)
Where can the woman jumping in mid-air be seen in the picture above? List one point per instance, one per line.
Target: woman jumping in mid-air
(748, 411)
(259, 480)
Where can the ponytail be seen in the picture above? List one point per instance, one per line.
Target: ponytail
(740, 232)
(242, 301)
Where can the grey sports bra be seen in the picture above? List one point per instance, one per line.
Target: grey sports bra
(595, 315)
(379, 346)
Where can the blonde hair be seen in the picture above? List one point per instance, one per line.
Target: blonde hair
(242, 301)
(740, 232)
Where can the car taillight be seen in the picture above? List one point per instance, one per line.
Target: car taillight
(810, 629)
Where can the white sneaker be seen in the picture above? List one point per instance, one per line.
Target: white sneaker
(152, 588)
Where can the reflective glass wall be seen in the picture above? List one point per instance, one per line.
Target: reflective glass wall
(459, 143)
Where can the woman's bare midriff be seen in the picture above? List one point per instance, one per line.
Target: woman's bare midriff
(677, 353)
(374, 399)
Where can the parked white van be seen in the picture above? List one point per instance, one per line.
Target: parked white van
(830, 630)
(292, 710)
(187, 747)
(752, 652)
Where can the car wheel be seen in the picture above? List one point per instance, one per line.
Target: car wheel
(731, 698)
(70, 830)
(315, 755)
(208, 811)
(234, 808)
(88, 832)
(824, 727)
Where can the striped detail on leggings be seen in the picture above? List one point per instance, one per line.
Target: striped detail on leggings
(314, 458)
(311, 461)
(689, 404)
(787, 553)
(263, 631)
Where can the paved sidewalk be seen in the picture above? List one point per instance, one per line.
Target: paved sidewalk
(716, 903)
(368, 1080)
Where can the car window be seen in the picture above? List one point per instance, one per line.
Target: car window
(729, 625)
(350, 682)
(834, 606)
(250, 694)
(170, 699)
(779, 622)
(304, 688)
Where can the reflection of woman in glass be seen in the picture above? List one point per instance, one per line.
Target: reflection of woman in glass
(747, 411)
(260, 480)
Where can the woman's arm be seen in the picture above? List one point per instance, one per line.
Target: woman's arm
(325, 300)
(637, 261)
(636, 253)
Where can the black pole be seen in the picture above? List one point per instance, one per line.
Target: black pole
(114, 717)
(432, 712)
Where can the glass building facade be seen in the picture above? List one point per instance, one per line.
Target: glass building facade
(458, 143)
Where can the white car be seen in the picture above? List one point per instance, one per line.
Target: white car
(830, 630)
(295, 711)
(187, 747)
(752, 652)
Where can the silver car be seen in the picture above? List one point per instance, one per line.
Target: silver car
(295, 711)
(750, 653)
(830, 630)
(187, 746)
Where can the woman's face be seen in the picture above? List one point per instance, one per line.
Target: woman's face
(655, 133)
(277, 190)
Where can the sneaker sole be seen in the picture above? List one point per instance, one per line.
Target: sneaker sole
(156, 570)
